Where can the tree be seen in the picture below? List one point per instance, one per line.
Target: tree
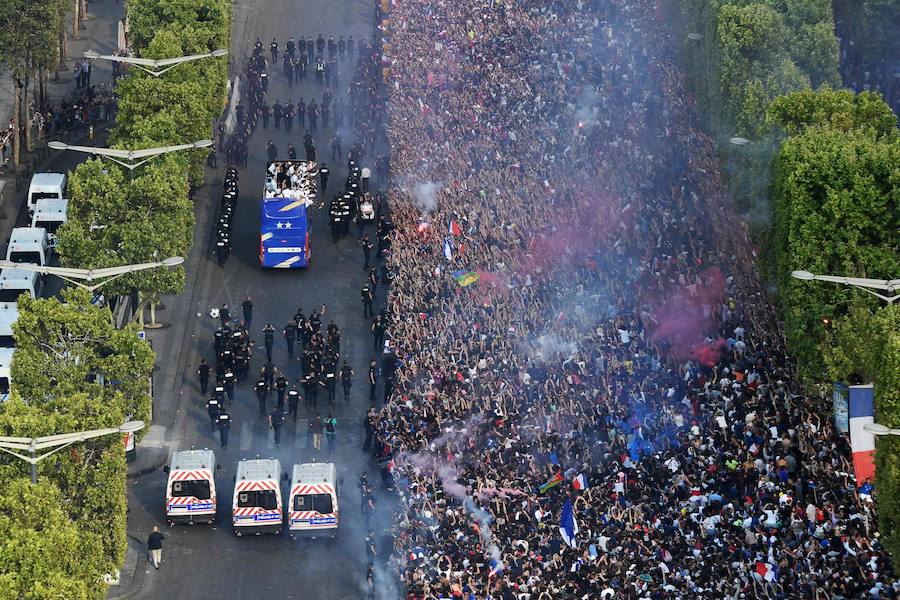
(44, 553)
(114, 222)
(74, 371)
(149, 16)
(838, 109)
(28, 38)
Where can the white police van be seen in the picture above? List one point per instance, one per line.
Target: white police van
(256, 506)
(191, 489)
(314, 500)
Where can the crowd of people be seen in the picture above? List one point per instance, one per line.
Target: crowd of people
(588, 395)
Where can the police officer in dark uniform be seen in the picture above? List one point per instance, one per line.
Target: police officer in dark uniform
(311, 387)
(213, 406)
(265, 112)
(203, 373)
(230, 381)
(271, 151)
(323, 176)
(288, 116)
(262, 390)
(290, 336)
(276, 420)
(277, 112)
(269, 339)
(378, 327)
(273, 47)
(223, 249)
(373, 379)
(281, 384)
(367, 299)
(301, 113)
(292, 152)
(288, 67)
(223, 421)
(290, 47)
(367, 249)
(346, 380)
(293, 397)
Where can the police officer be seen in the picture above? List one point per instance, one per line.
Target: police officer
(290, 336)
(277, 111)
(247, 310)
(301, 114)
(346, 380)
(262, 390)
(223, 249)
(311, 387)
(223, 421)
(330, 383)
(292, 152)
(230, 381)
(288, 66)
(290, 47)
(276, 420)
(271, 151)
(265, 112)
(367, 246)
(281, 384)
(378, 327)
(269, 339)
(293, 397)
(203, 373)
(273, 47)
(367, 299)
(323, 176)
(373, 379)
(213, 406)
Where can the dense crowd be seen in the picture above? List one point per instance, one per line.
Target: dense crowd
(615, 356)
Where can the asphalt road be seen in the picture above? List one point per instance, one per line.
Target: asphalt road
(209, 561)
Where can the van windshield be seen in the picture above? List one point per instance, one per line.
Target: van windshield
(10, 294)
(4, 385)
(41, 195)
(264, 499)
(26, 257)
(50, 226)
(198, 488)
(321, 503)
(7, 341)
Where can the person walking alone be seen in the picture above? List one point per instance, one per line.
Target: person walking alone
(203, 373)
(331, 431)
(154, 545)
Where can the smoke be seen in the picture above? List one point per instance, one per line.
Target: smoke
(423, 193)
(548, 345)
(685, 319)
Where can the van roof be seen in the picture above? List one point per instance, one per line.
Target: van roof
(258, 469)
(9, 314)
(52, 206)
(27, 235)
(314, 473)
(6, 355)
(190, 460)
(16, 278)
(48, 180)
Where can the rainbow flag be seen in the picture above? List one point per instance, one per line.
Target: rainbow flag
(464, 278)
(553, 482)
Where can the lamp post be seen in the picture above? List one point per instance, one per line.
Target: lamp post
(878, 429)
(133, 157)
(891, 286)
(152, 66)
(79, 276)
(57, 442)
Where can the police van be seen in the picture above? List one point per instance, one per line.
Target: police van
(314, 499)
(50, 214)
(257, 507)
(191, 489)
(6, 356)
(9, 314)
(29, 245)
(45, 185)
(13, 282)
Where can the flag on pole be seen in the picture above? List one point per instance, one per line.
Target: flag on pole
(453, 228)
(862, 443)
(580, 482)
(568, 526)
(552, 482)
(448, 250)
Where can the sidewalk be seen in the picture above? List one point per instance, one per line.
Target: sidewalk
(99, 31)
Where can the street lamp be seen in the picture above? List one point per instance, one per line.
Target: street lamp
(879, 429)
(120, 156)
(739, 141)
(76, 276)
(152, 66)
(57, 442)
(867, 285)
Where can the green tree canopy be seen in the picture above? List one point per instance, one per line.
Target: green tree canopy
(43, 554)
(837, 109)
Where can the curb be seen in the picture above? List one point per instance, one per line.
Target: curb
(155, 465)
(137, 576)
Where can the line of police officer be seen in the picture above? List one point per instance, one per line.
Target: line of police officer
(319, 358)
(227, 204)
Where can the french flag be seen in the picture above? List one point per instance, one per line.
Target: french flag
(453, 228)
(448, 250)
(862, 443)
(580, 482)
(766, 571)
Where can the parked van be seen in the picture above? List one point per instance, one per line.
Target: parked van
(6, 355)
(257, 507)
(314, 497)
(13, 282)
(9, 314)
(50, 213)
(191, 489)
(29, 245)
(46, 185)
